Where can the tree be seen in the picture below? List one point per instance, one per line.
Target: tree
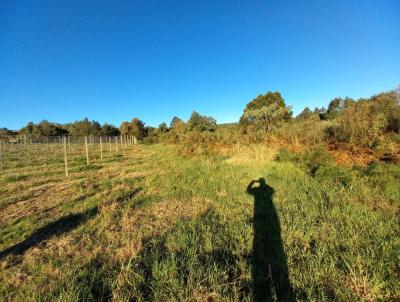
(178, 127)
(321, 112)
(138, 128)
(306, 114)
(265, 112)
(162, 128)
(367, 121)
(337, 105)
(265, 100)
(125, 128)
(198, 122)
(84, 127)
(175, 121)
(95, 128)
(150, 131)
(267, 117)
(109, 130)
(387, 104)
(44, 128)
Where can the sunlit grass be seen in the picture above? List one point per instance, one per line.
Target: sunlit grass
(147, 224)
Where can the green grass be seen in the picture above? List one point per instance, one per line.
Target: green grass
(151, 225)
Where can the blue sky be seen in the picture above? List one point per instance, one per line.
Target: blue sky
(114, 60)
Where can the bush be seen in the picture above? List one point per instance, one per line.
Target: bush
(284, 155)
(366, 122)
(339, 175)
(201, 143)
(312, 159)
(387, 178)
(199, 122)
(307, 132)
(315, 158)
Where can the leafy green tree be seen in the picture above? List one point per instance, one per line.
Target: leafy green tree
(306, 114)
(84, 127)
(150, 132)
(44, 128)
(109, 130)
(138, 128)
(264, 113)
(198, 122)
(367, 121)
(387, 104)
(95, 128)
(178, 128)
(321, 112)
(337, 105)
(267, 117)
(125, 128)
(265, 100)
(175, 121)
(162, 128)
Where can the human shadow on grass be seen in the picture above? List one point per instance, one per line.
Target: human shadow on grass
(56, 228)
(269, 262)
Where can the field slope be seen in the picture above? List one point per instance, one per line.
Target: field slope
(151, 225)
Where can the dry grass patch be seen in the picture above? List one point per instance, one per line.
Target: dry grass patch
(241, 154)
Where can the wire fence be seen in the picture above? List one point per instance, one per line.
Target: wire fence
(21, 151)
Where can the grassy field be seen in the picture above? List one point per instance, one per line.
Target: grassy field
(147, 224)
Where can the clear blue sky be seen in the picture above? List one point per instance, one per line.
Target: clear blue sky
(114, 60)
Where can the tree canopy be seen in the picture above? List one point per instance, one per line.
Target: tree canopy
(306, 114)
(136, 128)
(266, 112)
(198, 122)
(109, 130)
(44, 128)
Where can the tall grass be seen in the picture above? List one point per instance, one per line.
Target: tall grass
(176, 228)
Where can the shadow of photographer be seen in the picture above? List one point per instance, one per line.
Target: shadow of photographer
(269, 262)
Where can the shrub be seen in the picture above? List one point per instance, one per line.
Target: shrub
(367, 121)
(387, 178)
(339, 175)
(200, 143)
(307, 132)
(199, 122)
(315, 158)
(312, 159)
(284, 155)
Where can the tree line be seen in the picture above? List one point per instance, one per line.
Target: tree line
(364, 121)
(136, 127)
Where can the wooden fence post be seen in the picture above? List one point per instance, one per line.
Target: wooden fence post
(65, 156)
(29, 152)
(87, 151)
(101, 148)
(1, 157)
(54, 147)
